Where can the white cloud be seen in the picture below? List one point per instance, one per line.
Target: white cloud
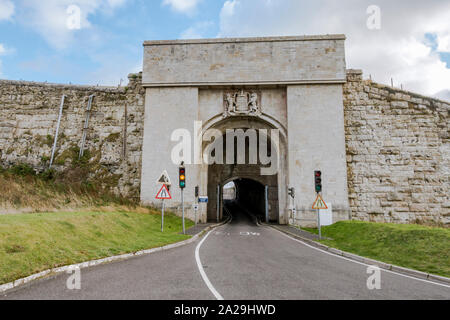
(185, 6)
(6, 9)
(49, 17)
(443, 41)
(398, 50)
(3, 52)
(443, 95)
(197, 30)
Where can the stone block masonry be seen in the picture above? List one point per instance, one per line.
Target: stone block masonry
(398, 154)
(397, 142)
(29, 113)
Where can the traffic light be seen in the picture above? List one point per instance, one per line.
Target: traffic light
(182, 177)
(291, 192)
(318, 181)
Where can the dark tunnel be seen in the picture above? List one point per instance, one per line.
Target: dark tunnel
(250, 196)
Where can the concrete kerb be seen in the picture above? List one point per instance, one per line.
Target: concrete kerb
(351, 256)
(54, 271)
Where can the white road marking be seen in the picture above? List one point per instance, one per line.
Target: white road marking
(250, 234)
(361, 263)
(202, 271)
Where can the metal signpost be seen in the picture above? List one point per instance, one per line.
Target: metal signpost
(318, 205)
(196, 206)
(163, 194)
(291, 193)
(162, 216)
(57, 130)
(267, 203)
(86, 126)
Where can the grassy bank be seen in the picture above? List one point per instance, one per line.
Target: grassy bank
(24, 191)
(412, 246)
(30, 243)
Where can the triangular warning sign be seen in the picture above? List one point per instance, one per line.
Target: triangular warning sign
(319, 204)
(164, 194)
(164, 179)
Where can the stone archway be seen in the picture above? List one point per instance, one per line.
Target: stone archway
(218, 175)
(293, 84)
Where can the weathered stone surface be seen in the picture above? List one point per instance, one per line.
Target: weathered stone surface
(245, 61)
(397, 142)
(398, 154)
(29, 114)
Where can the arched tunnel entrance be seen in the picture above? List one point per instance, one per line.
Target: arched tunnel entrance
(246, 197)
(247, 149)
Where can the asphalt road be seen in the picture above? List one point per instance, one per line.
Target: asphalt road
(236, 261)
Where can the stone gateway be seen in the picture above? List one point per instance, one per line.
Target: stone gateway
(292, 84)
(383, 152)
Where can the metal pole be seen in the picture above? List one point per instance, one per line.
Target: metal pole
(57, 130)
(86, 126)
(196, 202)
(182, 205)
(267, 203)
(162, 217)
(218, 203)
(318, 222)
(195, 217)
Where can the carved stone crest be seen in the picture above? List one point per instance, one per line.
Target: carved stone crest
(241, 103)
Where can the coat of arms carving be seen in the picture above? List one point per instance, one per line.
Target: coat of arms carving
(242, 103)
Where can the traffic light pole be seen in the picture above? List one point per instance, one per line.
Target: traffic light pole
(266, 196)
(182, 185)
(218, 203)
(318, 183)
(318, 223)
(182, 205)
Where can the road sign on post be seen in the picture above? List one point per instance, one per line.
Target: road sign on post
(163, 194)
(203, 199)
(318, 205)
(164, 179)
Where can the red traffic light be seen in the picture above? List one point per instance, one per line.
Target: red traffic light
(318, 181)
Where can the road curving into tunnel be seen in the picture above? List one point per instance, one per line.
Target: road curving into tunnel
(245, 261)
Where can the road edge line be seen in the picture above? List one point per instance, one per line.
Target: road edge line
(4, 288)
(200, 268)
(404, 272)
(205, 278)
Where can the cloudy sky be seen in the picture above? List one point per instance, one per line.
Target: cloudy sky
(44, 41)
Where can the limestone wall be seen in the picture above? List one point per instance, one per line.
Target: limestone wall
(397, 142)
(29, 113)
(244, 61)
(398, 154)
